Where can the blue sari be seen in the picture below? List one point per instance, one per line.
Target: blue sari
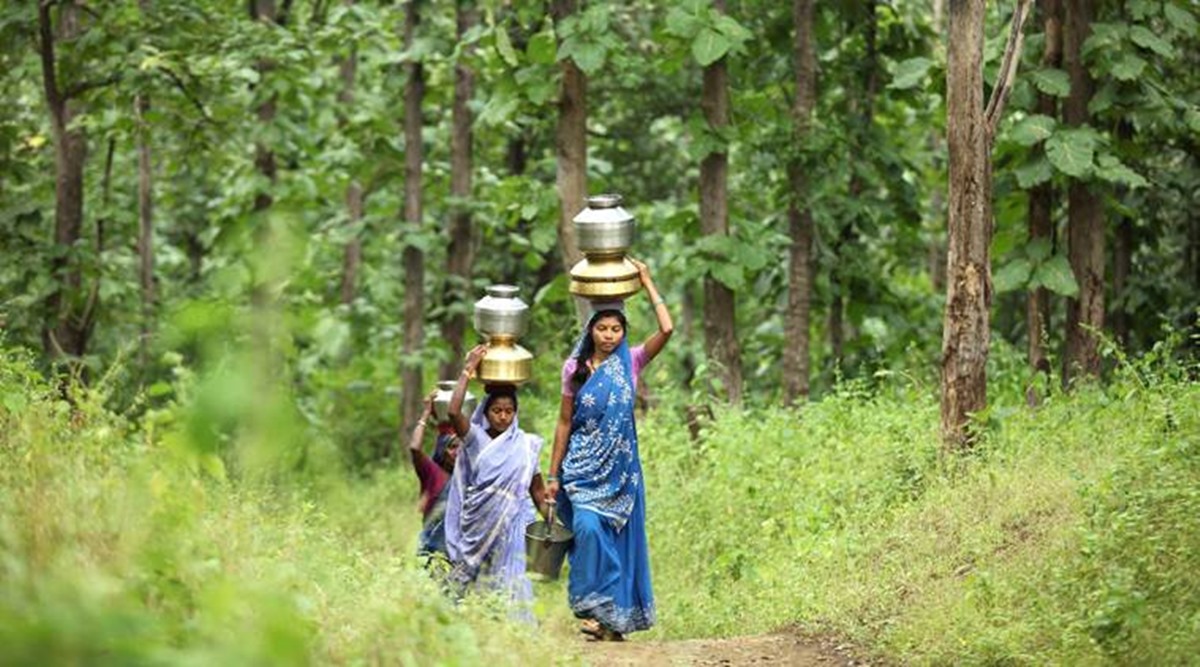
(603, 500)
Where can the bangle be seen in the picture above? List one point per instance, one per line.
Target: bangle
(421, 423)
(551, 478)
(659, 302)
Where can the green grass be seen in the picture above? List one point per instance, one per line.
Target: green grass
(218, 528)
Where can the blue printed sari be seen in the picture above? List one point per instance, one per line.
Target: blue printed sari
(603, 500)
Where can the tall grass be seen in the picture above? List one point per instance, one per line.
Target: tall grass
(126, 543)
(1070, 535)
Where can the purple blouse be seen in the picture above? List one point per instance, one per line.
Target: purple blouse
(637, 359)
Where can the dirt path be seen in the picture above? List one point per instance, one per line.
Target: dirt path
(774, 650)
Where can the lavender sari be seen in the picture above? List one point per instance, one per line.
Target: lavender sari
(489, 507)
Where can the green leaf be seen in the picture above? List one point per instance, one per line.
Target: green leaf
(1181, 18)
(1055, 275)
(1111, 169)
(1032, 129)
(1038, 249)
(588, 55)
(709, 47)
(1192, 118)
(728, 274)
(1143, 37)
(505, 47)
(542, 48)
(1035, 173)
(1128, 67)
(1140, 9)
(1012, 276)
(736, 32)
(682, 23)
(909, 73)
(1071, 151)
(1052, 81)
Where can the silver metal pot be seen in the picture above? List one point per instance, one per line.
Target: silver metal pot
(441, 401)
(604, 228)
(501, 312)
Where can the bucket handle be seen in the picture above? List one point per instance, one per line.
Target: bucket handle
(550, 516)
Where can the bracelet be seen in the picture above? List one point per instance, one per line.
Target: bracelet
(659, 302)
(551, 478)
(422, 423)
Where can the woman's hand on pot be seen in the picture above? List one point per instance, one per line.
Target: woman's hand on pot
(475, 357)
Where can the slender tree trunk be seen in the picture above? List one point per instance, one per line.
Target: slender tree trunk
(1042, 197)
(970, 128)
(968, 285)
(352, 253)
(68, 326)
(460, 256)
(411, 379)
(264, 156)
(145, 244)
(796, 357)
(1085, 217)
(570, 146)
(719, 314)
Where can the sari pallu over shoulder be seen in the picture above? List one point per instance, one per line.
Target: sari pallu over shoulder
(488, 507)
(601, 471)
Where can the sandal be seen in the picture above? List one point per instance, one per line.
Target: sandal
(592, 628)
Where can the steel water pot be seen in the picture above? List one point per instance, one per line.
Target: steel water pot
(603, 228)
(441, 401)
(501, 312)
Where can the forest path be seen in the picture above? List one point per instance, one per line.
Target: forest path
(773, 650)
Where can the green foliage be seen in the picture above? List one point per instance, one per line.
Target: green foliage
(1068, 536)
(118, 547)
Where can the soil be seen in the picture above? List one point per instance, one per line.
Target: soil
(773, 650)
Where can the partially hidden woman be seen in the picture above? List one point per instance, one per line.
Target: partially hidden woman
(596, 475)
(495, 477)
(434, 475)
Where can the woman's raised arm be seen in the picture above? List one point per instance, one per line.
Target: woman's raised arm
(657, 340)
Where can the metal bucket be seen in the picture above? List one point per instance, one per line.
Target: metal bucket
(546, 545)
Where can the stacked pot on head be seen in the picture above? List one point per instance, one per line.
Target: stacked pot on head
(604, 234)
(501, 318)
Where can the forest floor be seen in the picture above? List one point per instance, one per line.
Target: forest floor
(782, 648)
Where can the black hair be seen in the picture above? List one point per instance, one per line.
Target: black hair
(494, 391)
(588, 346)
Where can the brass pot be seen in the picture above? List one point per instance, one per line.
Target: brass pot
(605, 278)
(505, 362)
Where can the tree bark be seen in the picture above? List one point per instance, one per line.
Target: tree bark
(460, 256)
(1042, 197)
(145, 245)
(352, 253)
(570, 143)
(69, 323)
(411, 378)
(719, 311)
(796, 356)
(1085, 217)
(264, 156)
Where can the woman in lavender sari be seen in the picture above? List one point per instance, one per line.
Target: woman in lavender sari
(488, 508)
(596, 474)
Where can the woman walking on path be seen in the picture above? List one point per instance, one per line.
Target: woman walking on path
(488, 508)
(596, 475)
(434, 475)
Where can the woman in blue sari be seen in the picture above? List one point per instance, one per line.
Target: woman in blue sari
(488, 508)
(596, 474)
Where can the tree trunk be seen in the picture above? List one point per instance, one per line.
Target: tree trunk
(570, 143)
(264, 156)
(460, 256)
(719, 315)
(352, 253)
(145, 245)
(1085, 218)
(411, 378)
(796, 357)
(68, 326)
(1041, 197)
(968, 283)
